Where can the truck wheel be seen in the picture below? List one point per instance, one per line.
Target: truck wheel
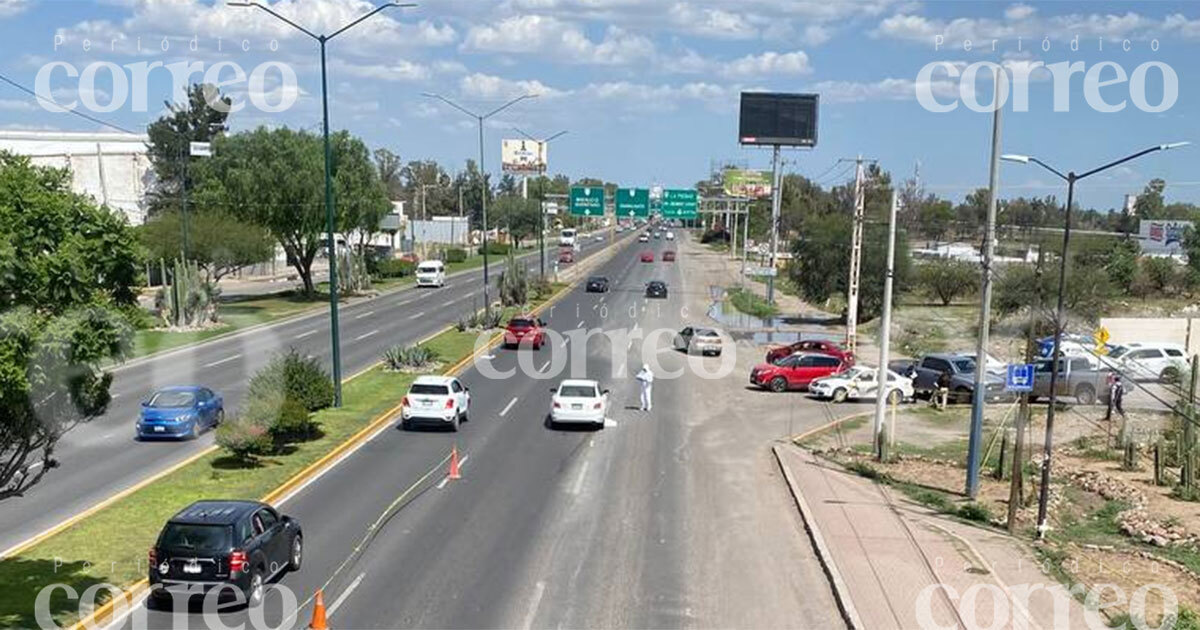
(1085, 394)
(778, 384)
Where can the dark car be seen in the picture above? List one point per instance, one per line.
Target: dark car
(656, 289)
(820, 346)
(237, 546)
(597, 284)
(525, 330)
(179, 412)
(668, 256)
(961, 370)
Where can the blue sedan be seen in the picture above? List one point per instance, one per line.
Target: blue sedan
(180, 412)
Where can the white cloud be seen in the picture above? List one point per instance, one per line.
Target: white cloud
(714, 22)
(15, 105)
(1023, 21)
(490, 87)
(815, 35)
(767, 64)
(9, 8)
(398, 70)
(889, 89)
(566, 42)
(1019, 12)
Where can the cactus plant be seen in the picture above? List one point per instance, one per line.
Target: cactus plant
(188, 300)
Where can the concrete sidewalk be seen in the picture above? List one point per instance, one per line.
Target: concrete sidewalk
(884, 555)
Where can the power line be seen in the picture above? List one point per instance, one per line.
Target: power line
(69, 111)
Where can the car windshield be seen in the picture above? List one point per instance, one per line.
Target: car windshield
(964, 365)
(1118, 352)
(853, 373)
(197, 538)
(707, 333)
(577, 391)
(427, 268)
(171, 400)
(520, 323)
(429, 389)
(597, 279)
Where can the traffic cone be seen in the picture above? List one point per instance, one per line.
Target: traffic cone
(318, 618)
(454, 474)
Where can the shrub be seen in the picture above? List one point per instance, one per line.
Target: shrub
(403, 358)
(947, 279)
(292, 422)
(395, 268)
(291, 375)
(495, 249)
(514, 283)
(479, 320)
(540, 288)
(975, 512)
(456, 255)
(244, 438)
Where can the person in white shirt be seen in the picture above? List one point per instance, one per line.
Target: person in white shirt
(646, 378)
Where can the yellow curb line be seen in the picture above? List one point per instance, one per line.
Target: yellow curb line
(129, 594)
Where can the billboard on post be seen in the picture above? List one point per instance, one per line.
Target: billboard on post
(772, 118)
(743, 183)
(523, 157)
(1162, 237)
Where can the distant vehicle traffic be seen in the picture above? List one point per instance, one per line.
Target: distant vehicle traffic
(643, 239)
(670, 236)
(859, 382)
(568, 236)
(566, 256)
(229, 545)
(961, 369)
(796, 371)
(441, 401)
(1077, 377)
(431, 273)
(668, 256)
(180, 412)
(597, 284)
(525, 330)
(647, 256)
(705, 341)
(579, 402)
(656, 289)
(819, 346)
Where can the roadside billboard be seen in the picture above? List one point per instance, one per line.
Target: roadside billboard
(523, 157)
(742, 183)
(1162, 237)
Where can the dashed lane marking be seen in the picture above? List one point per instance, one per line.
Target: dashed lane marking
(365, 335)
(507, 407)
(225, 360)
(346, 593)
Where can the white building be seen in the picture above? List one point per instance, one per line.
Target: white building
(113, 168)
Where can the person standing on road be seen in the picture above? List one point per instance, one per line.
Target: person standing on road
(646, 378)
(943, 390)
(1116, 395)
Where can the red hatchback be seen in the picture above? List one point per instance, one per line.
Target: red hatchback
(811, 345)
(795, 371)
(647, 256)
(525, 330)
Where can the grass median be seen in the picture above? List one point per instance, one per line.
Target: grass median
(111, 545)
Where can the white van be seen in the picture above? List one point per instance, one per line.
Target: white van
(567, 238)
(431, 273)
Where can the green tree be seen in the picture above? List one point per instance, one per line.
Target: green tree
(274, 178)
(518, 216)
(945, 279)
(1086, 293)
(219, 242)
(1149, 204)
(391, 171)
(201, 119)
(66, 268)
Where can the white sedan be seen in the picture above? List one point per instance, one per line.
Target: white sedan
(859, 382)
(579, 402)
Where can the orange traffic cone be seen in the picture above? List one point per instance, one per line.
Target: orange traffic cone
(454, 474)
(318, 619)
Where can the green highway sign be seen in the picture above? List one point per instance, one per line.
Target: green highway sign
(633, 202)
(587, 202)
(680, 204)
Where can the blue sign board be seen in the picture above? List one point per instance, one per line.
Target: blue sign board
(1019, 378)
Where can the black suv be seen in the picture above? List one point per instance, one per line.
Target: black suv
(597, 284)
(224, 544)
(656, 289)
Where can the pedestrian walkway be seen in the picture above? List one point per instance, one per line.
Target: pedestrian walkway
(885, 555)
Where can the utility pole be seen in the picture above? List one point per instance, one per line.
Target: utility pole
(1016, 488)
(883, 448)
(776, 204)
(860, 202)
(975, 440)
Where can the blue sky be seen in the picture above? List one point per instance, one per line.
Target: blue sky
(648, 89)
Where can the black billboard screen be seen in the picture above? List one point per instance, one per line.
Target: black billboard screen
(774, 118)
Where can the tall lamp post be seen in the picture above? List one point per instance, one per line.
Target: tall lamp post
(542, 200)
(1071, 177)
(329, 213)
(479, 118)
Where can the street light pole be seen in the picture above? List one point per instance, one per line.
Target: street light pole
(483, 188)
(541, 201)
(1055, 357)
(322, 39)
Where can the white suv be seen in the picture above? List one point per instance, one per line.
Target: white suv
(1150, 361)
(431, 273)
(435, 400)
(579, 402)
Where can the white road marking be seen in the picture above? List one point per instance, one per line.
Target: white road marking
(543, 368)
(367, 314)
(365, 335)
(421, 314)
(225, 360)
(450, 303)
(621, 371)
(346, 593)
(539, 589)
(595, 306)
(581, 324)
(307, 334)
(507, 407)
(461, 464)
(565, 341)
(578, 485)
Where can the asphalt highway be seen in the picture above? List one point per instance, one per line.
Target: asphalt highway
(549, 527)
(101, 458)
